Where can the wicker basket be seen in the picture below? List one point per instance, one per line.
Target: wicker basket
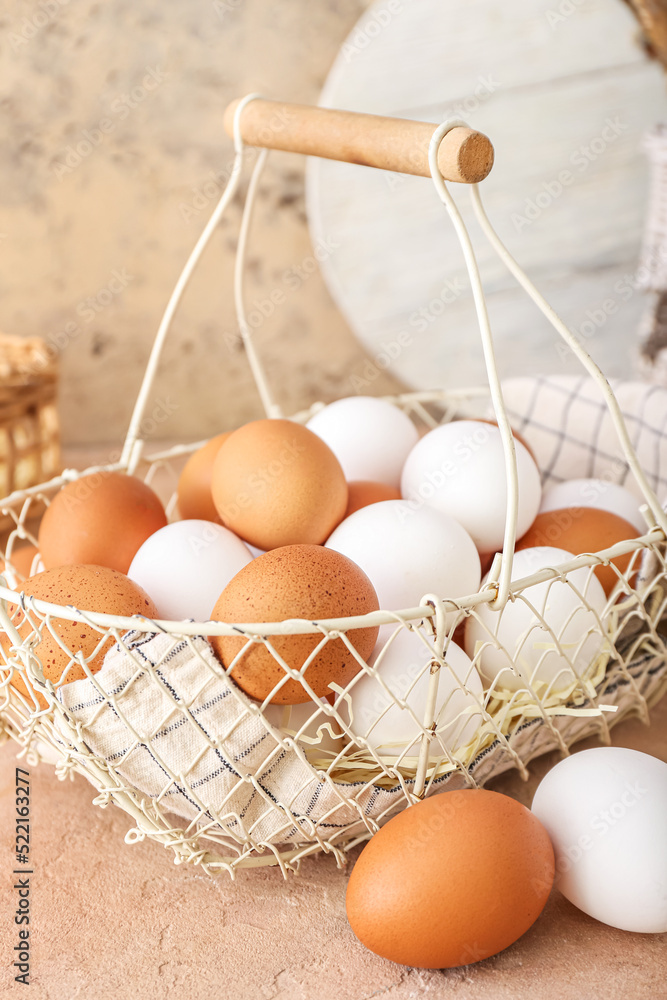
(29, 429)
(225, 782)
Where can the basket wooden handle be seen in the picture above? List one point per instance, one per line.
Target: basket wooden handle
(395, 144)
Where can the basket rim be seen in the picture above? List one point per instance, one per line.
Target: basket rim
(301, 626)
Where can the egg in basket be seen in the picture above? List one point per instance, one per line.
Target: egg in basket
(335, 615)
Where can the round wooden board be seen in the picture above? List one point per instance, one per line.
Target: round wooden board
(565, 93)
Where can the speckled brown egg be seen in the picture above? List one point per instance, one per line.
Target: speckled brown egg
(579, 530)
(276, 483)
(195, 499)
(101, 519)
(295, 581)
(364, 492)
(88, 588)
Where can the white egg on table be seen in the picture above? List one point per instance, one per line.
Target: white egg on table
(605, 810)
(459, 469)
(404, 667)
(370, 437)
(185, 566)
(597, 493)
(308, 724)
(546, 636)
(409, 553)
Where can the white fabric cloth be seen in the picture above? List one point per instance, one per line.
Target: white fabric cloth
(565, 420)
(164, 715)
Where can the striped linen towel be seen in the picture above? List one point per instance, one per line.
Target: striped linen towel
(567, 424)
(165, 717)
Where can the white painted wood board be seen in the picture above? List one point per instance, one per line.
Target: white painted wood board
(556, 92)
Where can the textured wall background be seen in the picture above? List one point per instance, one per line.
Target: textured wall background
(112, 158)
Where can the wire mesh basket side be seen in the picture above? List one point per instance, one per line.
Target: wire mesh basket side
(259, 783)
(224, 781)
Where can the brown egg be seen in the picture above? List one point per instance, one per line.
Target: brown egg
(295, 581)
(364, 492)
(194, 486)
(101, 519)
(486, 560)
(276, 483)
(88, 588)
(579, 530)
(22, 558)
(451, 880)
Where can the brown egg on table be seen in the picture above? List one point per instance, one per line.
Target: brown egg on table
(277, 483)
(451, 880)
(364, 492)
(88, 588)
(580, 530)
(101, 519)
(295, 581)
(195, 500)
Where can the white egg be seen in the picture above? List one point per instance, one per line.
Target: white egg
(605, 810)
(553, 644)
(404, 667)
(370, 437)
(459, 468)
(308, 724)
(597, 493)
(186, 565)
(409, 553)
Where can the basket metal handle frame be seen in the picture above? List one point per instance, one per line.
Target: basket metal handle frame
(393, 144)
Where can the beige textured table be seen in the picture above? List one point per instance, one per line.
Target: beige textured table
(111, 921)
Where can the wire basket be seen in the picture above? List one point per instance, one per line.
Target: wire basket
(163, 732)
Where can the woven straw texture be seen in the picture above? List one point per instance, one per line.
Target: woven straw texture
(29, 427)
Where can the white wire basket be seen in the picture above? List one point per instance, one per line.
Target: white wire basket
(163, 732)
